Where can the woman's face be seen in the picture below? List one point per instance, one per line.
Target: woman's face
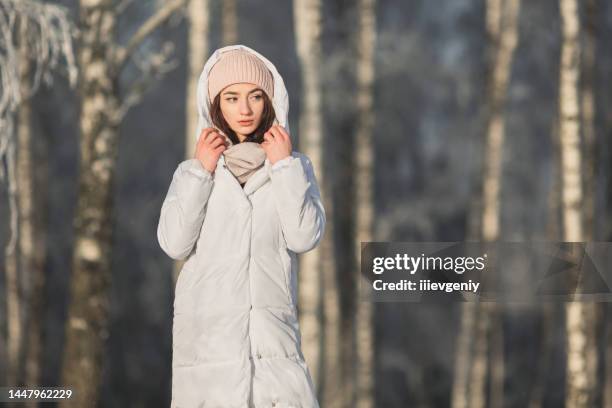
(242, 105)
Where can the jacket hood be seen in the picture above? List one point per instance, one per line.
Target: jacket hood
(280, 100)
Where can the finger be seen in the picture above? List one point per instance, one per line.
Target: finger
(201, 137)
(204, 139)
(219, 136)
(218, 141)
(268, 137)
(216, 138)
(284, 132)
(215, 133)
(210, 137)
(205, 132)
(277, 133)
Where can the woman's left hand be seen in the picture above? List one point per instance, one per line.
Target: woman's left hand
(276, 144)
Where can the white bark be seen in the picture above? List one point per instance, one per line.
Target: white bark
(35, 39)
(102, 109)
(199, 27)
(502, 25)
(364, 199)
(318, 262)
(26, 214)
(578, 385)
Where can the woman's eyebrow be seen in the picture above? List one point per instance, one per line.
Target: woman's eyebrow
(236, 93)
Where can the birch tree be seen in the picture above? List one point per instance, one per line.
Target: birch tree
(35, 41)
(364, 201)
(502, 27)
(103, 106)
(31, 235)
(579, 385)
(316, 266)
(199, 27)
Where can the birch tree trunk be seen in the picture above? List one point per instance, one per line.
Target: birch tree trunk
(25, 202)
(87, 325)
(502, 25)
(581, 317)
(38, 279)
(32, 234)
(199, 15)
(13, 312)
(17, 262)
(30, 265)
(316, 266)
(100, 60)
(364, 201)
(14, 304)
(35, 37)
(578, 385)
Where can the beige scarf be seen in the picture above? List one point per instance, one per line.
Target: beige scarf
(243, 159)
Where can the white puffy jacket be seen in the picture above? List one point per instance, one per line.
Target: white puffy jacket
(236, 337)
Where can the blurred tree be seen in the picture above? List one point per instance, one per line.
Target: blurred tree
(31, 207)
(25, 209)
(199, 27)
(34, 40)
(478, 318)
(316, 266)
(580, 317)
(364, 206)
(101, 61)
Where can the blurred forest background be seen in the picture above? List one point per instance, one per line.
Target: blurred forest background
(427, 120)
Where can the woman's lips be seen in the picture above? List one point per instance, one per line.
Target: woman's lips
(245, 122)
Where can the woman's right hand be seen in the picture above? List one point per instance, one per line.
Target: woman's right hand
(209, 147)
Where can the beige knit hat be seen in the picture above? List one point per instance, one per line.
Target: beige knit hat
(237, 66)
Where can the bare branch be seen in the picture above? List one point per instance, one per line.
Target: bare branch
(48, 38)
(153, 69)
(162, 15)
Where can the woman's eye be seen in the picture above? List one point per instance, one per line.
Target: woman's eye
(231, 99)
(258, 97)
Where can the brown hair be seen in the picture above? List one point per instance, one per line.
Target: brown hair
(267, 120)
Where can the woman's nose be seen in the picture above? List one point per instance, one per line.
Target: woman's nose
(245, 109)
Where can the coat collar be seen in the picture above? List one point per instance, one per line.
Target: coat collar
(257, 179)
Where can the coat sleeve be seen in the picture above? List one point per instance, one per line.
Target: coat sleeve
(298, 202)
(184, 208)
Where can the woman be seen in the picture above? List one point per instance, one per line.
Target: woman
(239, 212)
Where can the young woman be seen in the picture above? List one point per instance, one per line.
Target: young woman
(239, 212)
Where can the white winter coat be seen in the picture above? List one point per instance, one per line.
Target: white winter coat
(236, 337)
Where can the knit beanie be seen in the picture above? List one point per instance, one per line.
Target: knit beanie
(237, 66)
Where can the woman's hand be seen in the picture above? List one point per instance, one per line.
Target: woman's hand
(209, 147)
(276, 144)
